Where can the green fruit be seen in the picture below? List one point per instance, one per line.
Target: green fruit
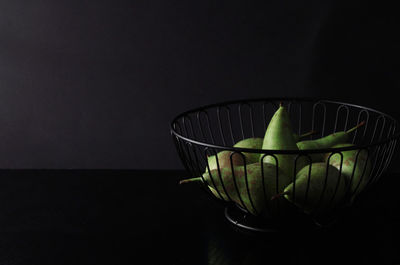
(326, 142)
(224, 157)
(250, 143)
(362, 170)
(311, 144)
(326, 188)
(297, 137)
(279, 136)
(251, 194)
(237, 159)
(223, 160)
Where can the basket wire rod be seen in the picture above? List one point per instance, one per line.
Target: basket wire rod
(350, 183)
(189, 160)
(278, 203)
(313, 117)
(319, 202)
(182, 151)
(264, 108)
(264, 116)
(290, 110)
(185, 126)
(206, 150)
(391, 128)
(251, 120)
(386, 162)
(377, 122)
(241, 120)
(221, 130)
(308, 179)
(363, 174)
(389, 156)
(382, 128)
(246, 180)
(294, 184)
(179, 144)
(263, 185)
(387, 148)
(300, 117)
(267, 200)
(365, 125)
(220, 125)
(209, 126)
(199, 123)
(198, 169)
(203, 181)
(370, 175)
(222, 180)
(379, 170)
(337, 117)
(393, 148)
(203, 156)
(190, 125)
(395, 128)
(186, 154)
(376, 126)
(275, 105)
(179, 151)
(189, 147)
(230, 125)
(207, 154)
(375, 156)
(340, 176)
(394, 142)
(236, 186)
(352, 173)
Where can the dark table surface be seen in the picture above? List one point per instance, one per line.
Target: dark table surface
(126, 216)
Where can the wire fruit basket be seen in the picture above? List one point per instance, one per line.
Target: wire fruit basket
(225, 148)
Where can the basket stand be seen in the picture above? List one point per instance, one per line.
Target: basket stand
(246, 222)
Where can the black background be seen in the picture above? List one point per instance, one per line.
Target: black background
(95, 84)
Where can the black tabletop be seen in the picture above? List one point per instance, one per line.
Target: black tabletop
(128, 216)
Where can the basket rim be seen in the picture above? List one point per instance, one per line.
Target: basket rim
(272, 151)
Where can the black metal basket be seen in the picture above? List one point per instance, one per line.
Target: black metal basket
(205, 131)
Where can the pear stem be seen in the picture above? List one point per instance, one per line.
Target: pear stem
(356, 127)
(307, 134)
(184, 181)
(281, 104)
(277, 196)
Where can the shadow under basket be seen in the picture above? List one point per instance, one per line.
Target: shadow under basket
(206, 139)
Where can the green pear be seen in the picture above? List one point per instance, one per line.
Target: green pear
(362, 170)
(224, 157)
(237, 159)
(298, 137)
(251, 194)
(250, 143)
(279, 136)
(223, 160)
(326, 142)
(326, 187)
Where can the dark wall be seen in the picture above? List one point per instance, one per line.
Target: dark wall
(95, 84)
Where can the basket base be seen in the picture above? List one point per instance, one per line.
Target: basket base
(246, 222)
